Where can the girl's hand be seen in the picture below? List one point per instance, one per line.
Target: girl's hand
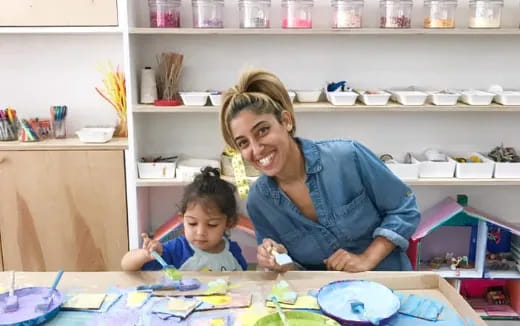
(266, 259)
(151, 245)
(345, 261)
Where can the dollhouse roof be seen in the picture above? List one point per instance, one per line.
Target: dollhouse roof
(448, 209)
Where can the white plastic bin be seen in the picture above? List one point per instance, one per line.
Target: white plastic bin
(482, 170)
(436, 169)
(342, 98)
(476, 97)
(308, 96)
(443, 98)
(187, 169)
(405, 171)
(194, 98)
(508, 98)
(156, 170)
(409, 97)
(374, 97)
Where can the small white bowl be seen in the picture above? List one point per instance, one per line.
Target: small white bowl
(216, 99)
(291, 95)
(476, 97)
(379, 98)
(308, 96)
(95, 135)
(342, 98)
(194, 98)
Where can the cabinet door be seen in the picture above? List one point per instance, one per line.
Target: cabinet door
(63, 209)
(58, 13)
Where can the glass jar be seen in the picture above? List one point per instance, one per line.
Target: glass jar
(485, 13)
(208, 13)
(439, 13)
(396, 13)
(254, 13)
(165, 13)
(347, 13)
(297, 13)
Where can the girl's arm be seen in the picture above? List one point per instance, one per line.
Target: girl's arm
(135, 259)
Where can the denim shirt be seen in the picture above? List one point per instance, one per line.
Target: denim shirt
(356, 198)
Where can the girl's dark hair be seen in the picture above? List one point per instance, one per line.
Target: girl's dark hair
(209, 189)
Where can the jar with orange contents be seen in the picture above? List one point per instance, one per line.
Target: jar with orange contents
(440, 13)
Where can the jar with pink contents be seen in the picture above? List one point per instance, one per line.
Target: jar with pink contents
(395, 13)
(347, 13)
(297, 13)
(165, 13)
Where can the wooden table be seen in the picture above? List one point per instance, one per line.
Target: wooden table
(257, 283)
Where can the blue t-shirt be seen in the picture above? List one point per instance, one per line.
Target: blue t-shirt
(186, 257)
(356, 198)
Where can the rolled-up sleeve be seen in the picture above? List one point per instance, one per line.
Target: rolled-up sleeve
(393, 199)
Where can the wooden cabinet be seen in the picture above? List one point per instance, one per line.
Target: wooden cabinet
(58, 13)
(63, 209)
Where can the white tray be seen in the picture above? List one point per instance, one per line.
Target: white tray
(482, 170)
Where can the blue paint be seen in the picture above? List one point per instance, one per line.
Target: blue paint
(420, 307)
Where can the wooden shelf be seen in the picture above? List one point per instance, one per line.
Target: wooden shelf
(325, 31)
(63, 144)
(327, 107)
(420, 182)
(512, 275)
(60, 30)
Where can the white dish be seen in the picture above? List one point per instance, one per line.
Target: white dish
(187, 169)
(216, 99)
(405, 171)
(482, 170)
(194, 98)
(379, 98)
(409, 97)
(95, 135)
(508, 98)
(342, 98)
(291, 95)
(476, 97)
(438, 98)
(156, 170)
(308, 96)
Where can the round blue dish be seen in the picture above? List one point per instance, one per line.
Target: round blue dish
(28, 299)
(380, 302)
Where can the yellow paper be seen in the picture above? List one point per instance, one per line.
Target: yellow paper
(85, 301)
(181, 305)
(302, 302)
(217, 300)
(218, 322)
(136, 299)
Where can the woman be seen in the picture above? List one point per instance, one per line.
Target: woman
(330, 204)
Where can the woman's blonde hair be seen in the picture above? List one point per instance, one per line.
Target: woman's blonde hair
(260, 92)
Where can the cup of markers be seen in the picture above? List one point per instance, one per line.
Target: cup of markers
(58, 115)
(8, 124)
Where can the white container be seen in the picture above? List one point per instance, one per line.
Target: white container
(379, 98)
(409, 97)
(156, 170)
(291, 95)
(216, 99)
(395, 13)
(297, 13)
(405, 171)
(308, 96)
(476, 97)
(254, 13)
(483, 170)
(95, 135)
(507, 170)
(485, 13)
(208, 13)
(438, 98)
(342, 98)
(433, 169)
(508, 98)
(347, 13)
(187, 169)
(194, 98)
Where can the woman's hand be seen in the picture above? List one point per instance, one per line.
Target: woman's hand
(266, 259)
(151, 245)
(345, 261)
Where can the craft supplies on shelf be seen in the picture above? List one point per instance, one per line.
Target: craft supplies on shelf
(194, 98)
(507, 162)
(440, 13)
(485, 13)
(436, 164)
(409, 97)
(187, 169)
(476, 97)
(8, 125)
(227, 167)
(148, 86)
(507, 97)
(342, 98)
(168, 74)
(254, 13)
(373, 97)
(165, 13)
(308, 96)
(28, 130)
(157, 167)
(115, 94)
(58, 116)
(297, 13)
(405, 166)
(347, 13)
(215, 98)
(444, 97)
(473, 166)
(208, 13)
(395, 13)
(95, 134)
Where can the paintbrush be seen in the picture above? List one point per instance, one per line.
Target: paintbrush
(46, 302)
(11, 303)
(170, 271)
(283, 318)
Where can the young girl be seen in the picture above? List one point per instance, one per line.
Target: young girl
(209, 209)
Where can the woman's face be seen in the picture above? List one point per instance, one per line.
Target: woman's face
(262, 140)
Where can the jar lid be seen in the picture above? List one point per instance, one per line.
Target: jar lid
(164, 2)
(207, 2)
(347, 2)
(395, 2)
(441, 2)
(253, 2)
(480, 2)
(295, 2)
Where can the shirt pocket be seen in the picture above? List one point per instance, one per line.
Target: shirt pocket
(303, 247)
(357, 220)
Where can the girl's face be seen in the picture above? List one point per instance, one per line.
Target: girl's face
(262, 140)
(204, 227)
